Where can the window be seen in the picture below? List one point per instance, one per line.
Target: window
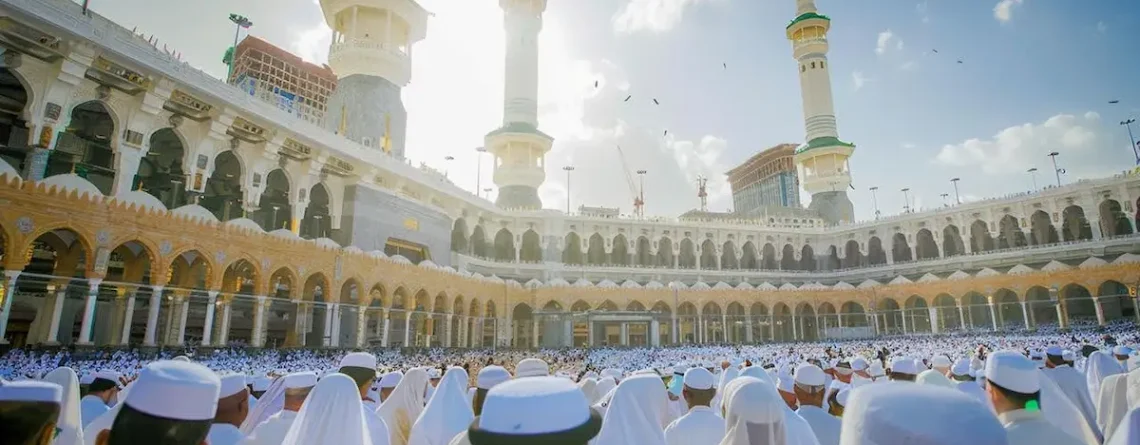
(813, 65)
(366, 141)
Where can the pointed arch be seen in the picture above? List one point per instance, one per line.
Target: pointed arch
(768, 257)
(317, 222)
(728, 259)
(459, 242)
(980, 238)
(644, 253)
(505, 246)
(788, 258)
(688, 255)
(1074, 225)
(807, 259)
(708, 255)
(531, 251)
(952, 244)
(924, 246)
(900, 248)
(619, 254)
(852, 257)
(1113, 220)
(596, 254)
(479, 242)
(572, 249)
(1041, 229)
(748, 257)
(665, 252)
(1010, 234)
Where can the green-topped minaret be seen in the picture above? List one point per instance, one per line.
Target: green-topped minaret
(822, 159)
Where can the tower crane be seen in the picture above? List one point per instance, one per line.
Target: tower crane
(638, 194)
(702, 192)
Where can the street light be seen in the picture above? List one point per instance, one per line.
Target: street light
(875, 202)
(1135, 149)
(944, 196)
(242, 22)
(1056, 170)
(906, 200)
(479, 167)
(957, 197)
(1033, 174)
(568, 169)
(488, 192)
(447, 166)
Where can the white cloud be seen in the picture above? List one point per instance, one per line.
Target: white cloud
(908, 146)
(312, 45)
(650, 15)
(923, 9)
(1101, 27)
(1017, 148)
(884, 42)
(908, 66)
(858, 79)
(1003, 11)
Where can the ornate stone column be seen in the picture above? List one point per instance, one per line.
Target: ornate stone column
(256, 339)
(675, 327)
(60, 291)
(224, 334)
(724, 326)
(1025, 314)
(624, 334)
(934, 319)
(962, 317)
(183, 312)
(447, 331)
(534, 328)
(152, 316)
(903, 317)
(795, 335)
(361, 326)
(1099, 311)
(993, 312)
(128, 318)
(208, 324)
(407, 329)
(8, 294)
(387, 325)
(654, 333)
(326, 336)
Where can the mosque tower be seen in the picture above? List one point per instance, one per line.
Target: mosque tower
(822, 160)
(519, 148)
(371, 54)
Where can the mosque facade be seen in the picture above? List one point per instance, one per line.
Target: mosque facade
(147, 203)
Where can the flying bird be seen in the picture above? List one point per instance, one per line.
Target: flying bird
(959, 61)
(655, 102)
(1114, 101)
(595, 84)
(725, 64)
(666, 133)
(935, 51)
(627, 98)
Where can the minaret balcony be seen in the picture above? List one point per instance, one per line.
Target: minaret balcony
(373, 58)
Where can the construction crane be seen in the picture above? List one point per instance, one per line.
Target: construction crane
(638, 195)
(702, 193)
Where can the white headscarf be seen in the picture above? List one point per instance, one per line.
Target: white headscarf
(725, 377)
(272, 401)
(403, 407)
(1098, 367)
(1112, 403)
(588, 386)
(754, 413)
(1062, 413)
(447, 414)
(605, 385)
(332, 414)
(71, 428)
(906, 413)
(636, 413)
(1129, 431)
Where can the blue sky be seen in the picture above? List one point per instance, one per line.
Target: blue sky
(1037, 77)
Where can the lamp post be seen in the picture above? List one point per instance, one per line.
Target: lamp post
(1033, 174)
(1056, 170)
(479, 167)
(944, 196)
(488, 192)
(448, 164)
(1135, 149)
(906, 200)
(875, 201)
(957, 197)
(568, 169)
(242, 22)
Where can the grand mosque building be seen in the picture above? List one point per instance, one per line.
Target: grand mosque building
(146, 203)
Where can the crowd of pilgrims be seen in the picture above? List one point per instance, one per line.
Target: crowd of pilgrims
(1079, 387)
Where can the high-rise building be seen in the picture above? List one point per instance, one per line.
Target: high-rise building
(822, 159)
(371, 54)
(277, 76)
(519, 147)
(767, 180)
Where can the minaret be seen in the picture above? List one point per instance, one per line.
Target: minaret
(822, 160)
(518, 146)
(371, 54)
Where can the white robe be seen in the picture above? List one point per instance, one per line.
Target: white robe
(377, 429)
(447, 413)
(971, 387)
(825, 426)
(1112, 403)
(1031, 428)
(223, 434)
(799, 432)
(701, 426)
(91, 407)
(272, 430)
(1075, 387)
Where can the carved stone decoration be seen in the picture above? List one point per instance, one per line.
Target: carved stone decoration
(175, 120)
(165, 247)
(103, 92)
(52, 111)
(25, 225)
(103, 237)
(264, 263)
(220, 257)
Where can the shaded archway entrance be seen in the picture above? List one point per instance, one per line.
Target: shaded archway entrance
(317, 222)
(13, 128)
(223, 194)
(87, 146)
(160, 172)
(274, 210)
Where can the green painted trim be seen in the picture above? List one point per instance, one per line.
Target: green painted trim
(519, 127)
(823, 142)
(808, 16)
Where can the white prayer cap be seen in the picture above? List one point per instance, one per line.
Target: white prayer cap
(810, 375)
(532, 367)
(108, 374)
(961, 367)
(490, 376)
(230, 385)
(391, 379)
(898, 412)
(842, 396)
(785, 384)
(534, 407)
(615, 373)
(940, 361)
(903, 365)
(434, 374)
(300, 380)
(1012, 371)
(859, 364)
(1068, 355)
(1121, 350)
(181, 358)
(699, 379)
(876, 369)
(86, 379)
(1036, 354)
(358, 360)
(31, 391)
(193, 386)
(261, 383)
(1055, 350)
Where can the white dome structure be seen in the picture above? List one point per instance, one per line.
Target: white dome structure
(195, 211)
(630, 284)
(653, 284)
(767, 286)
(400, 259)
(582, 282)
(1020, 269)
(607, 284)
(720, 285)
(245, 223)
(325, 242)
(928, 278)
(987, 272)
(557, 282)
(700, 285)
(428, 264)
(284, 233)
(140, 199)
(378, 254)
(867, 284)
(1089, 263)
(843, 285)
(744, 286)
(72, 182)
(958, 275)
